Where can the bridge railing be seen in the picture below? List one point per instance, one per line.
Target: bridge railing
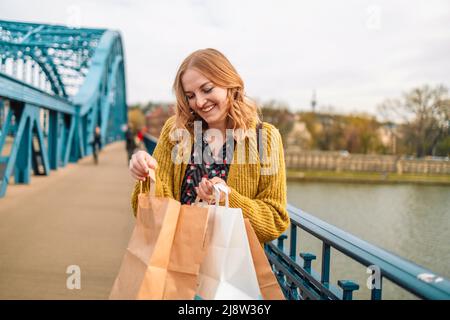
(299, 281)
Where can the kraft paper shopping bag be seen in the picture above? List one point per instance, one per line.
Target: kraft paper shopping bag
(268, 284)
(163, 257)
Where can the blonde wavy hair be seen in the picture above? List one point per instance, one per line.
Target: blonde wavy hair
(215, 66)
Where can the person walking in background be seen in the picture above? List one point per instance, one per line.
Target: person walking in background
(130, 143)
(140, 145)
(96, 143)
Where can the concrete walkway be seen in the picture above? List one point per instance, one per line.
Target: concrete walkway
(78, 215)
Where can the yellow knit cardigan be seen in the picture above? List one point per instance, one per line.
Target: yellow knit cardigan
(260, 195)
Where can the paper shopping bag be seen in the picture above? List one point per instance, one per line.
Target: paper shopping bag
(188, 252)
(157, 264)
(268, 284)
(227, 271)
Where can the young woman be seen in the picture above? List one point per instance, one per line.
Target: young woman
(191, 155)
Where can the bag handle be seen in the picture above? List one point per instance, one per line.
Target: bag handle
(199, 203)
(151, 178)
(220, 187)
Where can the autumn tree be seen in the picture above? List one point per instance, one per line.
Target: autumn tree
(136, 118)
(360, 134)
(354, 133)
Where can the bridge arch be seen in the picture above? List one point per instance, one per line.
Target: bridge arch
(56, 85)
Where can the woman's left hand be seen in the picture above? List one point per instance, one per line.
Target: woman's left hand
(205, 190)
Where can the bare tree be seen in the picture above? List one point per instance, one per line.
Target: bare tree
(424, 113)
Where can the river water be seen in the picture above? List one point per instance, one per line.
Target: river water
(412, 221)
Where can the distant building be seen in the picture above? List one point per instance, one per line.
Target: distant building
(156, 118)
(387, 134)
(299, 138)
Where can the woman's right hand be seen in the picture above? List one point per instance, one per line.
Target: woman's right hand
(140, 164)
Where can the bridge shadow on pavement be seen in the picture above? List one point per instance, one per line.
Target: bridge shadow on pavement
(79, 215)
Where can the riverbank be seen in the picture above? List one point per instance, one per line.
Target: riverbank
(367, 177)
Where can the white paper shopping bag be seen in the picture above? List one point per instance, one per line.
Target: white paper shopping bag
(227, 271)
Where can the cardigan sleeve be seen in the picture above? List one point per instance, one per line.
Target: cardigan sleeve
(164, 171)
(267, 211)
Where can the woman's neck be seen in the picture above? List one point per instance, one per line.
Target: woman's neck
(221, 126)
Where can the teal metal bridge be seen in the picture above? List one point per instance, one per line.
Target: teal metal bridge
(58, 83)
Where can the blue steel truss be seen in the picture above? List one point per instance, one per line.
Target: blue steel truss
(56, 85)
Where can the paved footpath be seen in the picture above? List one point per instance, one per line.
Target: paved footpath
(78, 215)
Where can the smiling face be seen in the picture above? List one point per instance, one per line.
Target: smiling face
(207, 99)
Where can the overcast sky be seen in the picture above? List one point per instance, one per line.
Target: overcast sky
(354, 53)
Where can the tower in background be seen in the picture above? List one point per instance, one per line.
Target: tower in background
(313, 102)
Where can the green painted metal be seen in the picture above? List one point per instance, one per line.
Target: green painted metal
(293, 243)
(290, 272)
(6, 127)
(307, 259)
(326, 260)
(58, 51)
(23, 146)
(53, 138)
(348, 287)
(73, 79)
(40, 156)
(16, 90)
(413, 278)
